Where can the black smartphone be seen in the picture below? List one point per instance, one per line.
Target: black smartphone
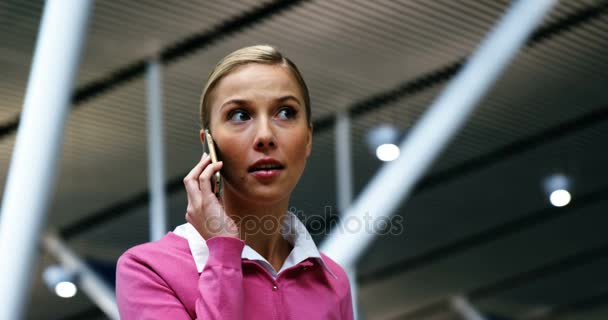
(213, 154)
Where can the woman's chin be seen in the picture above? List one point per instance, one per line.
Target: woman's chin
(263, 195)
(267, 195)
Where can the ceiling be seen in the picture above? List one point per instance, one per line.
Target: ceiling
(478, 224)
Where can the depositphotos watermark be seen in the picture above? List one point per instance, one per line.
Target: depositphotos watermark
(317, 225)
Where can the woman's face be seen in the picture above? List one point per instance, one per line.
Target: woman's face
(258, 121)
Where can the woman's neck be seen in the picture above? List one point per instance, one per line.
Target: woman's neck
(260, 227)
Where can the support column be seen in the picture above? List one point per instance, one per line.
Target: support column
(156, 163)
(344, 186)
(38, 144)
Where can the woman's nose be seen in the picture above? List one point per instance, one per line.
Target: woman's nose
(264, 136)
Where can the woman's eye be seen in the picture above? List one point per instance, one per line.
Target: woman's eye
(239, 115)
(287, 113)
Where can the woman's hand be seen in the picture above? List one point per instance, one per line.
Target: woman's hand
(205, 211)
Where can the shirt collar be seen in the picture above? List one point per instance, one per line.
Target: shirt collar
(292, 230)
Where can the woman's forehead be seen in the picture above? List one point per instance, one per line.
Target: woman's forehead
(256, 80)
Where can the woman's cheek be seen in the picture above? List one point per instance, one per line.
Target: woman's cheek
(231, 154)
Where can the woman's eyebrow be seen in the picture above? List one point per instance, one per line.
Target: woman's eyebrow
(234, 101)
(289, 97)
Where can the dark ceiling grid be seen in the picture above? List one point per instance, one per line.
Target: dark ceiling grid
(116, 23)
(491, 262)
(343, 22)
(5, 156)
(550, 55)
(298, 24)
(581, 281)
(575, 41)
(121, 108)
(331, 59)
(583, 305)
(110, 134)
(362, 51)
(379, 54)
(480, 13)
(21, 20)
(139, 229)
(247, 19)
(93, 131)
(590, 60)
(315, 31)
(520, 117)
(443, 73)
(18, 26)
(444, 31)
(91, 313)
(597, 312)
(513, 281)
(566, 7)
(385, 30)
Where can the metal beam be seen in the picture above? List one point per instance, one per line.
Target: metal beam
(435, 128)
(344, 187)
(465, 309)
(37, 149)
(156, 154)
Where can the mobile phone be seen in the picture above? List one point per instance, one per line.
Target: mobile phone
(213, 154)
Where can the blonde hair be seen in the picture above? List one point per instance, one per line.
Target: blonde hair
(264, 54)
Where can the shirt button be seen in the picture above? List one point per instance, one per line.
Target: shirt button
(275, 288)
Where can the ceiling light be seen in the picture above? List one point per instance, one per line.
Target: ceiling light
(66, 289)
(557, 188)
(387, 152)
(60, 280)
(382, 141)
(560, 198)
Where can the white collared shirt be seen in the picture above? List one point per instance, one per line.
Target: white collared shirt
(292, 230)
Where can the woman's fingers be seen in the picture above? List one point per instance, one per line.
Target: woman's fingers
(204, 179)
(192, 177)
(191, 182)
(203, 205)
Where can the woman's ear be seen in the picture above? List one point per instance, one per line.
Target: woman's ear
(202, 136)
(309, 142)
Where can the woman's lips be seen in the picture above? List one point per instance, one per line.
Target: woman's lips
(266, 174)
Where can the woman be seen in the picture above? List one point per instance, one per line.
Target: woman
(242, 255)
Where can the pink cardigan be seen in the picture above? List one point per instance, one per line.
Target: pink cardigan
(159, 280)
